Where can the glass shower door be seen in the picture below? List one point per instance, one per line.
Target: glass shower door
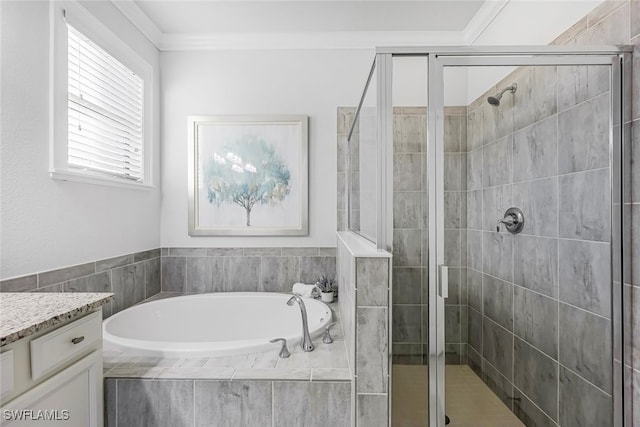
(523, 301)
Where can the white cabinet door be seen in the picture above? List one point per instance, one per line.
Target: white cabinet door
(71, 398)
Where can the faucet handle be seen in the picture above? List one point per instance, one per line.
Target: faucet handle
(326, 338)
(284, 351)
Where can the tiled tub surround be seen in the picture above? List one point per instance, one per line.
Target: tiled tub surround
(260, 389)
(364, 306)
(131, 278)
(200, 270)
(539, 302)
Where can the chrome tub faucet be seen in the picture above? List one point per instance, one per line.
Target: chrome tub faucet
(306, 343)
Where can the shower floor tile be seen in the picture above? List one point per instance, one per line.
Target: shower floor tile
(469, 402)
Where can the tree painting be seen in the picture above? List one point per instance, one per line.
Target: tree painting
(247, 172)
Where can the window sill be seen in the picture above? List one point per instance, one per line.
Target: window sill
(66, 175)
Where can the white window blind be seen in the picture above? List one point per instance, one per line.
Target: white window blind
(105, 112)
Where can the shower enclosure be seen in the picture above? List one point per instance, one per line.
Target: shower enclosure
(496, 178)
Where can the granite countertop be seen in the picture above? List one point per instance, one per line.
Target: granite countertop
(25, 313)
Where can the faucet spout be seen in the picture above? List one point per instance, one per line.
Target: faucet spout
(306, 343)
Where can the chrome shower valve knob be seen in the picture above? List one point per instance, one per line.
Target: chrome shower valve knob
(513, 221)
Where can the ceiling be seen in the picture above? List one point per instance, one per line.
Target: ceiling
(264, 16)
(348, 24)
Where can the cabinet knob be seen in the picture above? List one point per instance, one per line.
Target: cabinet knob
(77, 340)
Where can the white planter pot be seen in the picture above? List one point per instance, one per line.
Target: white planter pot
(326, 296)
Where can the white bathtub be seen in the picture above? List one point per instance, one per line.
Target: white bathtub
(209, 325)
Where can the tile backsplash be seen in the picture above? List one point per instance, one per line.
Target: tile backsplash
(132, 278)
(197, 270)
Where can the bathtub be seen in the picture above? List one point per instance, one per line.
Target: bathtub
(210, 325)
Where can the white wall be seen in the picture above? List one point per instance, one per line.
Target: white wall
(47, 224)
(314, 83)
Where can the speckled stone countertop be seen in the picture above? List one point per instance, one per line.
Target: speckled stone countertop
(25, 313)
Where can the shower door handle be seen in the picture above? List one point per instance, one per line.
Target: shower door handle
(443, 281)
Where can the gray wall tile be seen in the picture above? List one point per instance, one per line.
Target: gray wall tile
(452, 324)
(495, 202)
(585, 275)
(312, 404)
(498, 301)
(406, 167)
(585, 202)
(372, 350)
(475, 329)
(204, 274)
(453, 167)
(474, 289)
(144, 403)
(188, 252)
(407, 209)
(474, 170)
(407, 323)
(279, 273)
(174, 274)
(497, 257)
(497, 347)
(535, 99)
(536, 320)
(535, 264)
(497, 159)
(474, 129)
(585, 345)
(95, 283)
(232, 403)
(108, 264)
(538, 201)
(128, 285)
(152, 277)
(535, 151)
(262, 251)
(145, 255)
(406, 285)
(536, 375)
(241, 274)
(311, 268)
(372, 410)
(372, 277)
(474, 249)
(529, 413)
(498, 383)
(19, 284)
(583, 132)
(582, 404)
(68, 273)
(224, 252)
(407, 246)
(474, 209)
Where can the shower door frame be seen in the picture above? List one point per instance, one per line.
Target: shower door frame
(619, 59)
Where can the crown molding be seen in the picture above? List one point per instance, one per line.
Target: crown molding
(307, 41)
(482, 19)
(341, 40)
(140, 20)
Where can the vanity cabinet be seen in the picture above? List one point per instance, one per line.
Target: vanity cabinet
(56, 376)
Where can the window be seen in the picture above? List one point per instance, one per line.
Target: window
(100, 104)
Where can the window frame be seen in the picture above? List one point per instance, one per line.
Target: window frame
(82, 20)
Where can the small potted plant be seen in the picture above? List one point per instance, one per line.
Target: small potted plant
(327, 288)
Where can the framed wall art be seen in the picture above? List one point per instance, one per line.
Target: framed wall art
(248, 175)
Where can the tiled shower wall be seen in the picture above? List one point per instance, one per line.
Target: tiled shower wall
(618, 23)
(539, 301)
(198, 270)
(132, 278)
(410, 232)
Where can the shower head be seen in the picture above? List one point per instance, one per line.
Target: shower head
(495, 100)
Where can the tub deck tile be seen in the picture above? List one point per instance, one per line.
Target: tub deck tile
(196, 373)
(273, 374)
